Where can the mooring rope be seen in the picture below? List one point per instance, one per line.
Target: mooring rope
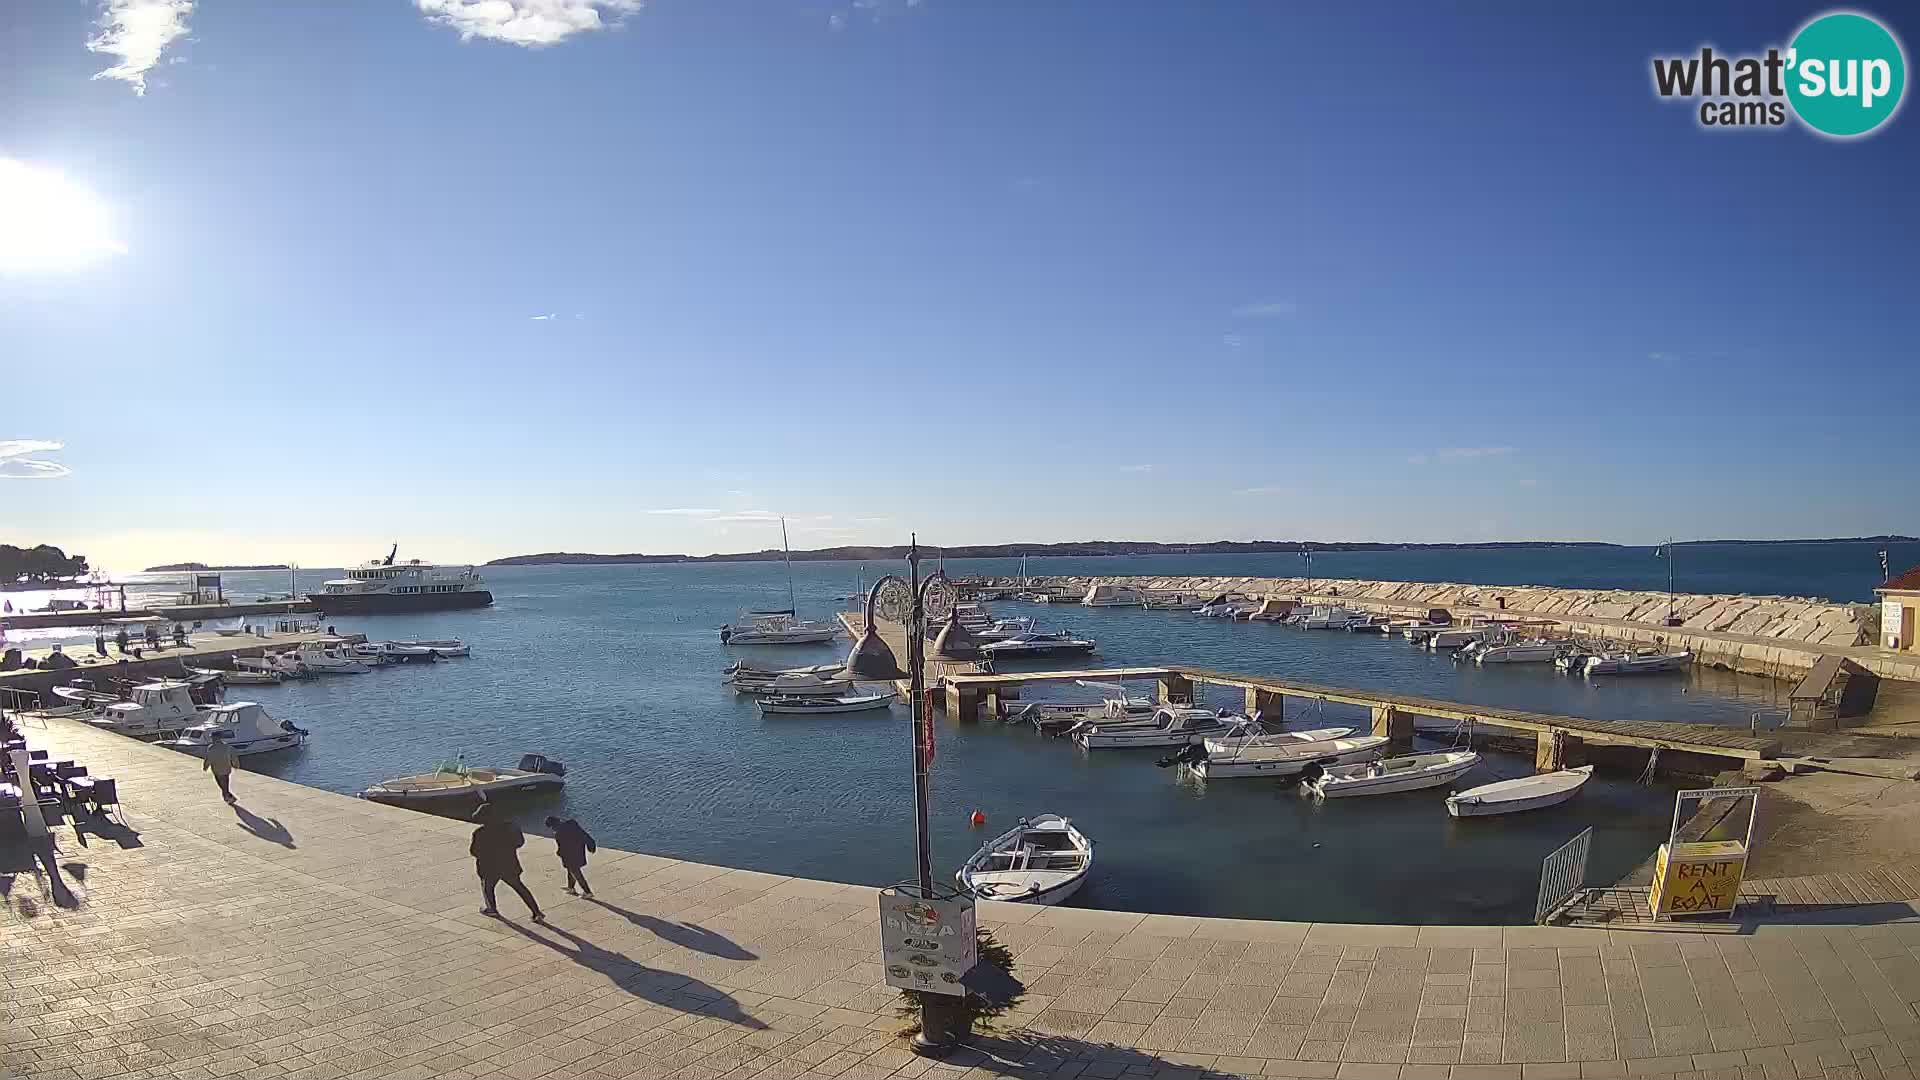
(1653, 762)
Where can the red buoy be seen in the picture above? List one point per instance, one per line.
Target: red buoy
(978, 819)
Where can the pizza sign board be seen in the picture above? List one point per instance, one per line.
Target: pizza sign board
(927, 945)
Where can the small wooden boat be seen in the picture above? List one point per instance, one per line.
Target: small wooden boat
(456, 782)
(1412, 772)
(1042, 860)
(822, 705)
(1514, 796)
(808, 685)
(1280, 761)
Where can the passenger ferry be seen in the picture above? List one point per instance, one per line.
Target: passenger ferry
(386, 586)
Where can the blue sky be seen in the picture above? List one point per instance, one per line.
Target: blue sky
(994, 271)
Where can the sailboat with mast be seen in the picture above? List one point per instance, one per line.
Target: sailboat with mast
(779, 626)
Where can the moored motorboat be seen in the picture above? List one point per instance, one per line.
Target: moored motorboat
(91, 700)
(1042, 860)
(244, 726)
(1280, 761)
(846, 703)
(1250, 733)
(1411, 772)
(243, 676)
(776, 628)
(455, 782)
(151, 709)
(1035, 643)
(1061, 717)
(1637, 663)
(1170, 725)
(1525, 793)
(805, 685)
(443, 646)
(1523, 651)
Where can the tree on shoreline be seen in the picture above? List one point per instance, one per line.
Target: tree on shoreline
(39, 564)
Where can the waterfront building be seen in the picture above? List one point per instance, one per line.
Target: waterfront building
(1900, 611)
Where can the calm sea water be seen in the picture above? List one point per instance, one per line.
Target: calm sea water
(616, 671)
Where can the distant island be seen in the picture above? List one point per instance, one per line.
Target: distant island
(1090, 548)
(165, 568)
(1110, 548)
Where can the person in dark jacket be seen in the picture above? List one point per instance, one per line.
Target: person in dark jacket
(574, 843)
(495, 850)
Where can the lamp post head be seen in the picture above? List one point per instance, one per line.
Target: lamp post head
(871, 659)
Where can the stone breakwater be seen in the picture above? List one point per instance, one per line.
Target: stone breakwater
(1779, 636)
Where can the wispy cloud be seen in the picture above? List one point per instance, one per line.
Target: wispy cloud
(687, 511)
(1270, 489)
(137, 32)
(1455, 454)
(867, 10)
(16, 462)
(543, 318)
(1232, 341)
(1136, 468)
(531, 23)
(1267, 309)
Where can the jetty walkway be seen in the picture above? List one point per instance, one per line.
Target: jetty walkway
(307, 934)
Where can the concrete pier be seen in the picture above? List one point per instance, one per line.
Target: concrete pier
(202, 649)
(307, 934)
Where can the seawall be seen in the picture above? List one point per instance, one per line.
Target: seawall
(1776, 636)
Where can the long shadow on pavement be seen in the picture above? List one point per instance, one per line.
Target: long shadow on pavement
(673, 990)
(685, 935)
(264, 828)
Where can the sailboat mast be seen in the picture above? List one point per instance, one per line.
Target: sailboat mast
(792, 607)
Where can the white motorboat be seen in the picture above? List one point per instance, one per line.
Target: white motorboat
(1637, 663)
(242, 677)
(1281, 761)
(776, 628)
(1002, 629)
(284, 664)
(1056, 717)
(1244, 734)
(1454, 638)
(1323, 617)
(455, 782)
(1412, 772)
(384, 586)
(152, 709)
(1112, 596)
(91, 700)
(741, 671)
(330, 657)
(245, 726)
(1525, 793)
(1042, 860)
(443, 646)
(1170, 725)
(1220, 607)
(848, 703)
(1524, 651)
(1035, 643)
(808, 685)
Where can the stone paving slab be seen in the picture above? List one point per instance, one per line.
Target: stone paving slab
(307, 934)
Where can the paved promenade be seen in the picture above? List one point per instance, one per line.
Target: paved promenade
(308, 934)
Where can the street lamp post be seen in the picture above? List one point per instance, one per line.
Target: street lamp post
(908, 602)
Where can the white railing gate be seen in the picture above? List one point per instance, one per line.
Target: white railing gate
(1562, 874)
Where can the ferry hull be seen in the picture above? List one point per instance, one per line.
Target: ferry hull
(399, 603)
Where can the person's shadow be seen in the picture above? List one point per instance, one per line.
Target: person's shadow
(671, 989)
(685, 935)
(264, 828)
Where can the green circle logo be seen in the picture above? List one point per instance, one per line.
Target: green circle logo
(1846, 74)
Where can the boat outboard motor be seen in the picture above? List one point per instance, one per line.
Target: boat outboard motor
(1314, 771)
(725, 633)
(1186, 755)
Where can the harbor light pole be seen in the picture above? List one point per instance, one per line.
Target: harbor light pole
(909, 601)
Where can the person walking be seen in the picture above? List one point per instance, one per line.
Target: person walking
(220, 760)
(495, 850)
(574, 843)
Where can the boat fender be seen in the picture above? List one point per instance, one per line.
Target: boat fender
(977, 819)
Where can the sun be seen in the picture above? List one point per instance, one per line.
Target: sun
(50, 224)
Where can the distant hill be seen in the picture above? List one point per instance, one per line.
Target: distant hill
(1094, 548)
(1825, 540)
(172, 567)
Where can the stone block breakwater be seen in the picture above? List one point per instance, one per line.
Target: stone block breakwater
(1777, 636)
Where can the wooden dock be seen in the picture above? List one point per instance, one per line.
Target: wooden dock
(202, 650)
(1561, 739)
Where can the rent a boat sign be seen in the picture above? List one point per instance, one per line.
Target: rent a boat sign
(927, 945)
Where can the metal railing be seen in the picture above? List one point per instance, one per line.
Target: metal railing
(1562, 874)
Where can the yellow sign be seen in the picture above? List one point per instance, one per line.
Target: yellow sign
(1698, 879)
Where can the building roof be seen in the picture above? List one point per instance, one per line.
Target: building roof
(1907, 582)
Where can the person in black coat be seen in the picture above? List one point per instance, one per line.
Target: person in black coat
(495, 850)
(574, 843)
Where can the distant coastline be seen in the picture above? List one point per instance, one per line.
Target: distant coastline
(1108, 549)
(174, 567)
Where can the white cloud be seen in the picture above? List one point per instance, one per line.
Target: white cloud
(1268, 309)
(1461, 453)
(687, 511)
(532, 23)
(15, 464)
(137, 32)
(1272, 489)
(543, 318)
(1136, 468)
(1232, 341)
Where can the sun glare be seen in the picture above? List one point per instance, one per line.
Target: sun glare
(48, 223)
